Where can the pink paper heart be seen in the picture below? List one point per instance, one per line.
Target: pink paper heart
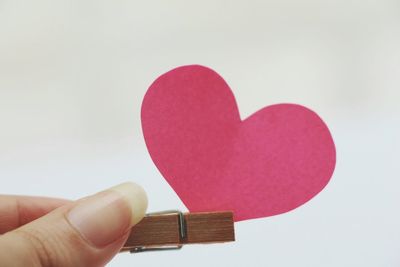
(270, 163)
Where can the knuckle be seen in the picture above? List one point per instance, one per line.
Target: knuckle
(42, 247)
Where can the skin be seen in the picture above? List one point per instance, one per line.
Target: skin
(37, 231)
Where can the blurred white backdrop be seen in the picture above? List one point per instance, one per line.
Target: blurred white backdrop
(73, 74)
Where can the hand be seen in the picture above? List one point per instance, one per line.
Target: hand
(53, 232)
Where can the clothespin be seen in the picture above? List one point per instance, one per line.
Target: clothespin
(173, 229)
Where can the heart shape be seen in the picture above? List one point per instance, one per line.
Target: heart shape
(270, 163)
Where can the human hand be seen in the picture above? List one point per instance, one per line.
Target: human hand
(45, 232)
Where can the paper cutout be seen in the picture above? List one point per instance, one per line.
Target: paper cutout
(270, 163)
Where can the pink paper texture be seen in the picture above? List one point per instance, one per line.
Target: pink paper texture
(270, 163)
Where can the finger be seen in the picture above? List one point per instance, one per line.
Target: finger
(16, 211)
(88, 232)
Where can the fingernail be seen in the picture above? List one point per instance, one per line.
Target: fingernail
(106, 216)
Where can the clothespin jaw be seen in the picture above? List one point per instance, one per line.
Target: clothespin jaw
(173, 229)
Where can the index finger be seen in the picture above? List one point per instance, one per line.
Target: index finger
(16, 211)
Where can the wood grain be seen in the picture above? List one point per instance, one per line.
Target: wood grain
(163, 230)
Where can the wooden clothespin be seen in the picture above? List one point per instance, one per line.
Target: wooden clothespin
(173, 229)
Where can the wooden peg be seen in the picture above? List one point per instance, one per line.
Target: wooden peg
(173, 229)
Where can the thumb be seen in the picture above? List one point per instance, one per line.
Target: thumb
(88, 232)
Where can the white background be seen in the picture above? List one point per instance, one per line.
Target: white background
(73, 74)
